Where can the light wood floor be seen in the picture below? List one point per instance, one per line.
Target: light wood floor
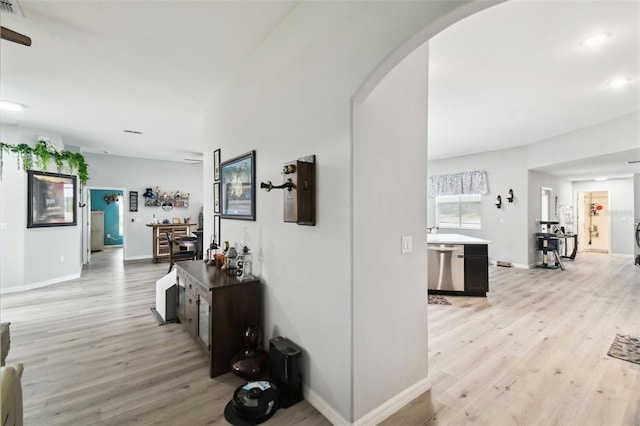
(532, 353)
(94, 354)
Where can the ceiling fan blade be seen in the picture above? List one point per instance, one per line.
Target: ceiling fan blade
(15, 37)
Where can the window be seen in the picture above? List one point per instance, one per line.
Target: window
(458, 211)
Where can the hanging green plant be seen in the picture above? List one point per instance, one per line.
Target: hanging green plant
(24, 155)
(43, 155)
(43, 152)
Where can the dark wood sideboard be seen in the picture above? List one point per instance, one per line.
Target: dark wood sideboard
(216, 308)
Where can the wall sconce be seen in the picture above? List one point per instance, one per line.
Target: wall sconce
(300, 195)
(499, 203)
(510, 197)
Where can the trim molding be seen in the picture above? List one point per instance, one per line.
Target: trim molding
(325, 409)
(513, 265)
(134, 258)
(394, 404)
(16, 289)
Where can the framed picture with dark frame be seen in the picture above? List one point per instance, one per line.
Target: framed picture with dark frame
(237, 187)
(216, 165)
(216, 229)
(133, 201)
(216, 197)
(51, 199)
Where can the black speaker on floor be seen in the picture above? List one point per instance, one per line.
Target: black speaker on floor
(285, 357)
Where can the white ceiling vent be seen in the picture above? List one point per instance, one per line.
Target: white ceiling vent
(12, 7)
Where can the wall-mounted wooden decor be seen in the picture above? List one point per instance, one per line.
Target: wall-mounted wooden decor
(299, 190)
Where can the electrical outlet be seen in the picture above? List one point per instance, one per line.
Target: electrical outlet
(61, 259)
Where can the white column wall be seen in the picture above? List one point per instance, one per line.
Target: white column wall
(390, 288)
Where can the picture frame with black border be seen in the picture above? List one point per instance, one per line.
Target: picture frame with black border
(237, 187)
(216, 165)
(216, 197)
(133, 201)
(51, 199)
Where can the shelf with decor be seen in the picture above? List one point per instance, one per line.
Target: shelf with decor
(166, 201)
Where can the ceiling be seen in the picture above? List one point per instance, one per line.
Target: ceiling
(517, 73)
(97, 68)
(511, 75)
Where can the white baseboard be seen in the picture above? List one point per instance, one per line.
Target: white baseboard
(19, 288)
(143, 257)
(373, 417)
(325, 409)
(394, 404)
(513, 265)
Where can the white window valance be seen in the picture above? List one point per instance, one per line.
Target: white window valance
(458, 184)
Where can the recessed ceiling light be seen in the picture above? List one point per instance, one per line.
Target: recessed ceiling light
(595, 40)
(618, 82)
(11, 106)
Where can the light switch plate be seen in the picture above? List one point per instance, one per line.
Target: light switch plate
(407, 244)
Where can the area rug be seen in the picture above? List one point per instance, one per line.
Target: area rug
(435, 299)
(626, 348)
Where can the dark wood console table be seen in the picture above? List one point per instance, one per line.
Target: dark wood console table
(216, 308)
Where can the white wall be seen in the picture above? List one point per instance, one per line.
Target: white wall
(619, 134)
(506, 169)
(621, 202)
(32, 257)
(293, 98)
(390, 152)
(13, 225)
(137, 174)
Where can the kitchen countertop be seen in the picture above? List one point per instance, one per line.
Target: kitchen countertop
(454, 239)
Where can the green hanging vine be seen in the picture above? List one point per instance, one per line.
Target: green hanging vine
(43, 152)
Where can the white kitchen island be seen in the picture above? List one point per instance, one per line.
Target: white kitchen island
(457, 264)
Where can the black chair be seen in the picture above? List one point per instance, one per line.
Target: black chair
(176, 256)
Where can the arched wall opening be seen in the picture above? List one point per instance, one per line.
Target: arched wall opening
(294, 98)
(389, 151)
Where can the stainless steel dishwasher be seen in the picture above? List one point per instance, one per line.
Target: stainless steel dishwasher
(445, 267)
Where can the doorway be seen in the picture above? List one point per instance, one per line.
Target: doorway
(105, 224)
(593, 221)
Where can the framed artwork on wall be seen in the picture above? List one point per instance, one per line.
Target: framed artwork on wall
(237, 187)
(51, 199)
(133, 201)
(216, 197)
(216, 165)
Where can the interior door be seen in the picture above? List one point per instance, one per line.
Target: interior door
(97, 231)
